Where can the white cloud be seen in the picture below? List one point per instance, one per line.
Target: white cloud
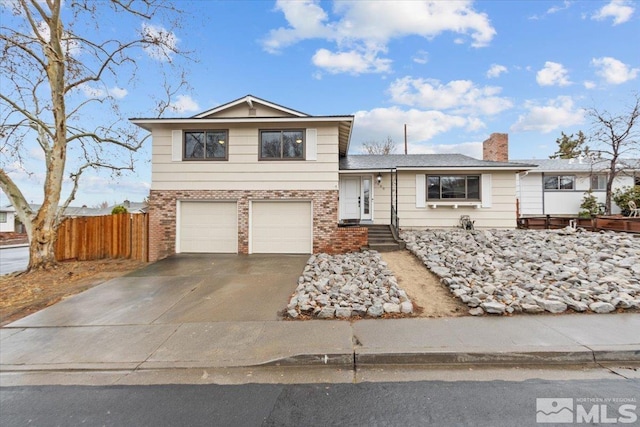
(461, 96)
(369, 26)
(558, 113)
(71, 46)
(352, 62)
(184, 104)
(496, 70)
(555, 9)
(619, 10)
(161, 43)
(588, 84)
(614, 71)
(379, 123)
(421, 57)
(472, 149)
(553, 74)
(93, 92)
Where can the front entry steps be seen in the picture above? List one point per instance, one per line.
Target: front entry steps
(381, 238)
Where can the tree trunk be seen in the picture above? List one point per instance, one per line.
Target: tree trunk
(42, 244)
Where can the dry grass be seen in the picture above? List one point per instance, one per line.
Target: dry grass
(24, 293)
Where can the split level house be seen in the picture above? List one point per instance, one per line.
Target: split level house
(558, 186)
(252, 176)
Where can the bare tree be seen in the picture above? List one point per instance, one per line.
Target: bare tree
(57, 59)
(380, 147)
(615, 139)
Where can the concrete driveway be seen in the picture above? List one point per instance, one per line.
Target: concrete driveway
(185, 288)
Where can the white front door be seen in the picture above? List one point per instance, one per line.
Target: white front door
(350, 197)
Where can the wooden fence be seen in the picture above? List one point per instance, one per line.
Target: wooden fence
(612, 223)
(99, 237)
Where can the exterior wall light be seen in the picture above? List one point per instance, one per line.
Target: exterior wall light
(379, 178)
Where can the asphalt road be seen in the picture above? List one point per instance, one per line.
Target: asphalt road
(13, 259)
(462, 403)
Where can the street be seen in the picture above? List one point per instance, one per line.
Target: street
(441, 403)
(13, 259)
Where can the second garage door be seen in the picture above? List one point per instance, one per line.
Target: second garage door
(209, 227)
(281, 227)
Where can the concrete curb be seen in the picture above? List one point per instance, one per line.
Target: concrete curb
(366, 358)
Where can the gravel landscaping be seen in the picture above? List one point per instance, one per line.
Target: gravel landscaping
(343, 286)
(512, 271)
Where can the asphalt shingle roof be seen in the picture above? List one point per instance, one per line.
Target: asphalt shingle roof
(575, 165)
(392, 161)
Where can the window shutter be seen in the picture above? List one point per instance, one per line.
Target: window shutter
(312, 144)
(487, 192)
(176, 145)
(421, 190)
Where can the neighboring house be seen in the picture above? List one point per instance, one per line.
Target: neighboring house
(557, 186)
(7, 219)
(251, 176)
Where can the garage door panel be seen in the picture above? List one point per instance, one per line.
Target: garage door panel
(209, 227)
(281, 227)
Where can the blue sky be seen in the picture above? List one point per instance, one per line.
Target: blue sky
(454, 72)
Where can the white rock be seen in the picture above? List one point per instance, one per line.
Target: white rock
(601, 307)
(493, 307)
(406, 307)
(477, 311)
(391, 307)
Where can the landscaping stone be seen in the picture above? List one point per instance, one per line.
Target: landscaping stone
(601, 307)
(344, 286)
(531, 271)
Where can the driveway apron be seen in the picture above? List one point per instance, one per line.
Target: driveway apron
(185, 288)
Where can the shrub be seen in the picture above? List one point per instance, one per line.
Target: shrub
(622, 196)
(118, 210)
(589, 207)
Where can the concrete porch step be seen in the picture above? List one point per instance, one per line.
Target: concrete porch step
(381, 239)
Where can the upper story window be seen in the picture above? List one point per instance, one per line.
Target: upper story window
(282, 145)
(206, 145)
(453, 187)
(559, 182)
(598, 182)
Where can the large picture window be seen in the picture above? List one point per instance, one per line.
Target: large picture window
(281, 145)
(559, 182)
(206, 145)
(453, 187)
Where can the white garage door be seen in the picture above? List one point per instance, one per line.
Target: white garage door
(209, 227)
(281, 228)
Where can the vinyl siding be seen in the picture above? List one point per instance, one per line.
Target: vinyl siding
(567, 202)
(502, 213)
(243, 170)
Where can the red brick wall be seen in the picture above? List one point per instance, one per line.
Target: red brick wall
(327, 236)
(496, 148)
(345, 239)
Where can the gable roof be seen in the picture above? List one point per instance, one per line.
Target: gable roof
(249, 99)
(424, 161)
(293, 117)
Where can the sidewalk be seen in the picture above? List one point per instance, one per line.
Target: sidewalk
(505, 341)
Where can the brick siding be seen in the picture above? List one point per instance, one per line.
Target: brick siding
(327, 236)
(496, 148)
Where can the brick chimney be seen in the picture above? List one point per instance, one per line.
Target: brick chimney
(496, 148)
